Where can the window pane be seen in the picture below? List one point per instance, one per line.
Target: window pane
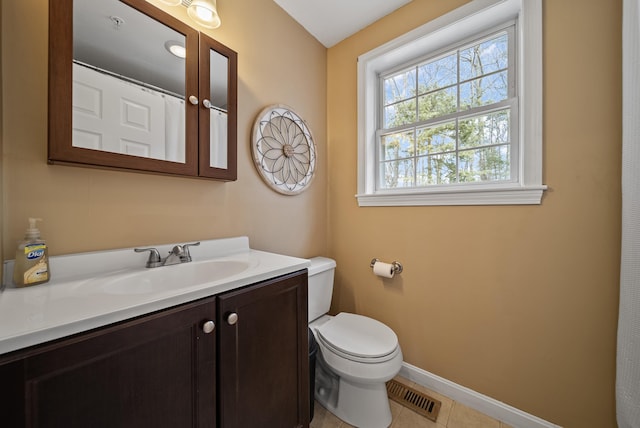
(398, 174)
(400, 114)
(438, 74)
(437, 139)
(484, 58)
(484, 90)
(485, 130)
(488, 164)
(400, 87)
(396, 146)
(438, 103)
(428, 106)
(438, 169)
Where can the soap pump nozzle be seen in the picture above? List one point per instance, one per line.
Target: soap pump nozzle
(33, 232)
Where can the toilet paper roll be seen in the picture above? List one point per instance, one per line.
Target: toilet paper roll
(383, 269)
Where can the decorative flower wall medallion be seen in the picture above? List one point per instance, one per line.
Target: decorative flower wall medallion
(283, 150)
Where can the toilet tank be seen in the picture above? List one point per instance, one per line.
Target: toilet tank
(321, 273)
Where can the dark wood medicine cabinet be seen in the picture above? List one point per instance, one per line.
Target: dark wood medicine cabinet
(118, 97)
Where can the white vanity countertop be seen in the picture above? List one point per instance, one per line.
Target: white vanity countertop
(92, 290)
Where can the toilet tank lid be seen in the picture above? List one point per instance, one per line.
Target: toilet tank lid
(320, 264)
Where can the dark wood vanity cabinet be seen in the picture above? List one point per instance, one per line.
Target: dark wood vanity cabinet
(263, 362)
(169, 369)
(154, 371)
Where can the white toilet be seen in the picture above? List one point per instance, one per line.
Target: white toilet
(357, 355)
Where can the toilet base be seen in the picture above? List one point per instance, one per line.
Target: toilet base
(360, 405)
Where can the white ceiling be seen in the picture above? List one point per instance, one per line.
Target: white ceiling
(331, 21)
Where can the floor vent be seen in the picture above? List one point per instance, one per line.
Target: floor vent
(414, 400)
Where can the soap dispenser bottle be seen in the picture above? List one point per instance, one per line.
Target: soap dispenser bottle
(32, 260)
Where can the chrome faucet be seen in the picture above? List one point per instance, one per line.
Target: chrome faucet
(178, 254)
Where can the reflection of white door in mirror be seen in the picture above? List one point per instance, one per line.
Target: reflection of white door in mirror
(112, 115)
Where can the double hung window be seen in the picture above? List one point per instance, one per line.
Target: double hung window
(449, 119)
(450, 114)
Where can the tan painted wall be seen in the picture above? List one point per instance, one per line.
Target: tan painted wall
(90, 209)
(516, 302)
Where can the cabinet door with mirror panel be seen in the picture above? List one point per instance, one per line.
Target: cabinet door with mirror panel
(124, 91)
(216, 122)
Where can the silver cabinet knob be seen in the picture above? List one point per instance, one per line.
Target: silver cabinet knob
(232, 318)
(208, 327)
(207, 103)
(193, 100)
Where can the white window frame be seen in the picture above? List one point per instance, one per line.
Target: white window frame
(472, 19)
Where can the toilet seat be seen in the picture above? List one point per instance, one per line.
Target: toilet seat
(359, 338)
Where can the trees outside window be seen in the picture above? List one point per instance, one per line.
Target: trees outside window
(448, 119)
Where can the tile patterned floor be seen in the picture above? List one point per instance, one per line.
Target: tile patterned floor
(452, 415)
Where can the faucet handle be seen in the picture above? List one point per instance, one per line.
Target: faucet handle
(177, 250)
(154, 256)
(186, 256)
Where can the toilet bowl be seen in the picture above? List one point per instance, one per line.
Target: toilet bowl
(357, 355)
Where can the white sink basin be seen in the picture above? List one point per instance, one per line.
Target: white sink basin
(172, 277)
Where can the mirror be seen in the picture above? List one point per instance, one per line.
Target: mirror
(218, 109)
(125, 91)
(128, 85)
(218, 117)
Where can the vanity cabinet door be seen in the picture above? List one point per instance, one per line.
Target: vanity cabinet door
(154, 371)
(263, 365)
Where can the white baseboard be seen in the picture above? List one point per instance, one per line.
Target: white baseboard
(475, 400)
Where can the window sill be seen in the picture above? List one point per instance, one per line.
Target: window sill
(502, 195)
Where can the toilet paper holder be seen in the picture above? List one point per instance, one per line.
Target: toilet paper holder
(397, 266)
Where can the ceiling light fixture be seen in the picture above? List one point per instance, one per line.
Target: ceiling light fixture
(204, 12)
(176, 48)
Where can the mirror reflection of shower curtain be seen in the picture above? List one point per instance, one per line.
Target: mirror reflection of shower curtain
(174, 129)
(218, 138)
(628, 356)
